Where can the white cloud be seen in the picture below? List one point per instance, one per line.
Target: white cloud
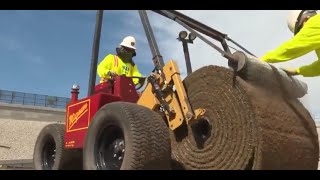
(257, 31)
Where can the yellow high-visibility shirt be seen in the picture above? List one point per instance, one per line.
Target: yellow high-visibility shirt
(114, 63)
(307, 40)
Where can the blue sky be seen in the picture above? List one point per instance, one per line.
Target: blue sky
(46, 52)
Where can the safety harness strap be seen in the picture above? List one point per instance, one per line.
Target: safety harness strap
(115, 61)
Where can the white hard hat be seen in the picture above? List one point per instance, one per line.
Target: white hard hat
(129, 42)
(292, 19)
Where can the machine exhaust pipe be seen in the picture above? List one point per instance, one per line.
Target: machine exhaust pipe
(95, 52)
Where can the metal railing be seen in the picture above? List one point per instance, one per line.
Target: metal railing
(13, 97)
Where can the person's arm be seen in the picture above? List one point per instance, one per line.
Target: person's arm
(105, 66)
(312, 69)
(307, 40)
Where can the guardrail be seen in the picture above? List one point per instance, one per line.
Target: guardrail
(13, 97)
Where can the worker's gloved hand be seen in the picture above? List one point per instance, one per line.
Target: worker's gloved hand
(142, 80)
(291, 71)
(112, 73)
(156, 75)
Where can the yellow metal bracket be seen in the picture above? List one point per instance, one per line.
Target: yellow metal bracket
(177, 99)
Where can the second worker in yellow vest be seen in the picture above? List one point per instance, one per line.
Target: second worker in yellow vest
(121, 63)
(305, 24)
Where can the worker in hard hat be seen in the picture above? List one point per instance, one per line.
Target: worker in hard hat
(305, 25)
(121, 63)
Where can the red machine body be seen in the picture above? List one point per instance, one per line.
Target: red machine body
(79, 113)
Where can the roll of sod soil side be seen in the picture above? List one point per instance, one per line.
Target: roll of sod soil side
(245, 127)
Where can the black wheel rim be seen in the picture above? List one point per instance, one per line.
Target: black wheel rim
(48, 153)
(110, 148)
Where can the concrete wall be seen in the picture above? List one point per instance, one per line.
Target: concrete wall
(31, 113)
(20, 126)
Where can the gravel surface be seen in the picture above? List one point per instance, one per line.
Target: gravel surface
(17, 138)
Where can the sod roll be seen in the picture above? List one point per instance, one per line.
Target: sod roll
(246, 126)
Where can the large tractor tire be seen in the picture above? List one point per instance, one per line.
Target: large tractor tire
(127, 136)
(244, 127)
(49, 151)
